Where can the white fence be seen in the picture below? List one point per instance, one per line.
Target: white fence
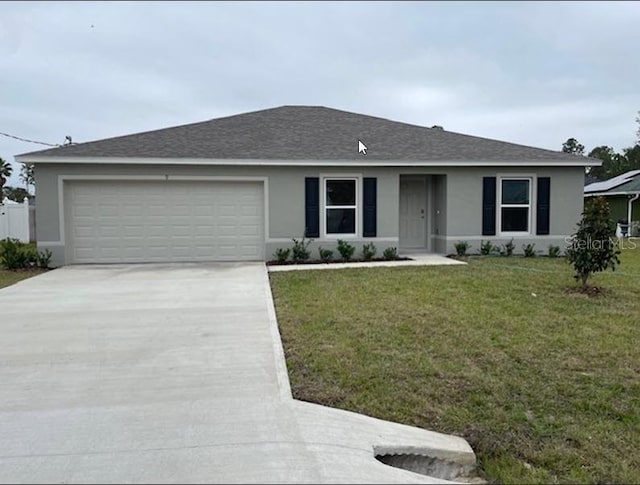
(14, 220)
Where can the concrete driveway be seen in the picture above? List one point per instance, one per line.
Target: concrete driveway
(174, 373)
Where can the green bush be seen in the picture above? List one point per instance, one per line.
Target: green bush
(345, 249)
(462, 247)
(390, 254)
(529, 251)
(300, 251)
(43, 258)
(554, 251)
(282, 254)
(325, 254)
(593, 247)
(486, 248)
(368, 251)
(16, 254)
(507, 249)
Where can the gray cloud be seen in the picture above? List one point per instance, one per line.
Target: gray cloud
(531, 73)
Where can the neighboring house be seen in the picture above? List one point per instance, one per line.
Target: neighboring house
(623, 194)
(238, 188)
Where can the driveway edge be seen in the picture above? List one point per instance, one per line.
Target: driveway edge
(282, 374)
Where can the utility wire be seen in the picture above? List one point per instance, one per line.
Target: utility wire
(30, 141)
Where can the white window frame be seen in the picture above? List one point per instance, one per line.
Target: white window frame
(531, 179)
(323, 206)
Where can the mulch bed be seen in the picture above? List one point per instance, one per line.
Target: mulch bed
(334, 261)
(588, 291)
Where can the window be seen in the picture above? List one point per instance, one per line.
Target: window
(515, 205)
(340, 206)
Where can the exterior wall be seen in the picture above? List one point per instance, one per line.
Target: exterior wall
(285, 199)
(438, 229)
(619, 206)
(464, 205)
(456, 192)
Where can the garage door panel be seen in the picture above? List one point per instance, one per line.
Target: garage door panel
(203, 226)
(154, 220)
(156, 232)
(249, 231)
(164, 221)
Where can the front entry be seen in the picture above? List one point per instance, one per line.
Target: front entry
(413, 212)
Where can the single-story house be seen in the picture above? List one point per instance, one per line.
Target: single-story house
(237, 188)
(623, 195)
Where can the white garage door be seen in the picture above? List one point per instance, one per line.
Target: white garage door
(127, 221)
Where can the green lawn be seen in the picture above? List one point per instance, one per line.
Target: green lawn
(543, 383)
(8, 278)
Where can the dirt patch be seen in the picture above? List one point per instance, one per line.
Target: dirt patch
(590, 291)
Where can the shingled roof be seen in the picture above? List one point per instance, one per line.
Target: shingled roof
(304, 133)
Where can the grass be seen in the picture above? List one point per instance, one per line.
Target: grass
(543, 383)
(10, 277)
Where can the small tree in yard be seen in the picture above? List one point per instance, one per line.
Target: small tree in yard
(593, 247)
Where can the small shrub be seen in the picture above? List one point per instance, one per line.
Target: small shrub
(462, 247)
(300, 251)
(325, 254)
(43, 258)
(390, 254)
(507, 249)
(282, 254)
(554, 251)
(15, 255)
(593, 247)
(529, 251)
(345, 249)
(486, 248)
(368, 251)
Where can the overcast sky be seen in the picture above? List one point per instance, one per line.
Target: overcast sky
(532, 73)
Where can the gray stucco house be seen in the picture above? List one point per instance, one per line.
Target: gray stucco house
(237, 188)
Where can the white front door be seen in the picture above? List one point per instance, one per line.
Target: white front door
(413, 213)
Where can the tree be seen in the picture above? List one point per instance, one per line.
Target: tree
(606, 154)
(632, 155)
(5, 171)
(612, 163)
(17, 194)
(572, 146)
(27, 175)
(593, 247)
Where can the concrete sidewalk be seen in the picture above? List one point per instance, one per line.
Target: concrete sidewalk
(417, 259)
(173, 374)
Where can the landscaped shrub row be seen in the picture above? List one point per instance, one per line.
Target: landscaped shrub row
(18, 255)
(487, 248)
(300, 252)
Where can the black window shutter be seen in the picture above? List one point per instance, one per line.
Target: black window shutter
(488, 206)
(542, 206)
(312, 206)
(369, 210)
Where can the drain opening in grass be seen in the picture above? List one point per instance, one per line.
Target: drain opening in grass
(430, 466)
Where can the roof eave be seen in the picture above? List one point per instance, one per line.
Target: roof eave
(597, 194)
(579, 162)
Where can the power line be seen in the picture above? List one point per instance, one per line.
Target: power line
(30, 141)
